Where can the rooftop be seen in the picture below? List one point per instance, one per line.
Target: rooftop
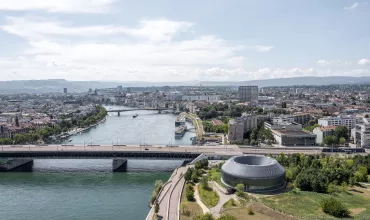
(327, 128)
(294, 133)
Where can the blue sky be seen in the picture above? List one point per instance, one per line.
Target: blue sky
(166, 40)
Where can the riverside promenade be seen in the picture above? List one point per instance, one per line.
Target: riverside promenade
(170, 196)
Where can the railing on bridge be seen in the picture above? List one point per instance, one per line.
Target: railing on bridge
(100, 154)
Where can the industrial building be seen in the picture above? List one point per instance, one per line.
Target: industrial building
(290, 134)
(257, 173)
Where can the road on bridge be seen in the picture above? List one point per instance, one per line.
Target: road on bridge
(221, 149)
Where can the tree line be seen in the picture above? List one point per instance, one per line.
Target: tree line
(63, 126)
(324, 174)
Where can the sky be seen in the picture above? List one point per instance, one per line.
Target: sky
(173, 40)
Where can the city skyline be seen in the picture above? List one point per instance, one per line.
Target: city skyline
(161, 41)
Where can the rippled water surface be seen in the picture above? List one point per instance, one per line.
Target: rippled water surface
(81, 189)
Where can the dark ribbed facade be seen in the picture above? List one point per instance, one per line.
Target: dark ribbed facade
(257, 173)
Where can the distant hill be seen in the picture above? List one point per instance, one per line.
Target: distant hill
(318, 81)
(57, 85)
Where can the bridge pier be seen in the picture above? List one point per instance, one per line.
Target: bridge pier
(119, 113)
(119, 165)
(17, 165)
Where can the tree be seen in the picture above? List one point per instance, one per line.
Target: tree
(366, 116)
(342, 140)
(188, 174)
(330, 140)
(156, 208)
(341, 131)
(204, 182)
(190, 194)
(240, 189)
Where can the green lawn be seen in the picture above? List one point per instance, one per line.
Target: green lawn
(231, 203)
(208, 196)
(306, 205)
(215, 175)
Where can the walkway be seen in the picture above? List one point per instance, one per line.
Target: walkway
(223, 199)
(169, 197)
(197, 199)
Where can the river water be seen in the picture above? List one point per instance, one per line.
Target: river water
(87, 189)
(149, 127)
(81, 190)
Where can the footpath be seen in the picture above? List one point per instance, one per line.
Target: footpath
(170, 196)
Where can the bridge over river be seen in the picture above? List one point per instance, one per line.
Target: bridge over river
(123, 152)
(138, 109)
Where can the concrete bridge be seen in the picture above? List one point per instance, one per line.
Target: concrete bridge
(88, 154)
(139, 109)
(23, 160)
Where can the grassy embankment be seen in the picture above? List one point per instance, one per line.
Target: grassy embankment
(188, 209)
(208, 196)
(306, 205)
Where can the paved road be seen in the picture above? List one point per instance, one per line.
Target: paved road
(221, 149)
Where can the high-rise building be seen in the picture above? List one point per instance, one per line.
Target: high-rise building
(119, 89)
(248, 94)
(236, 130)
(250, 122)
(65, 90)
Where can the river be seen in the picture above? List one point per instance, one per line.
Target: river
(87, 189)
(81, 190)
(149, 127)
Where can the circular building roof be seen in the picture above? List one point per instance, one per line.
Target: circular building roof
(253, 167)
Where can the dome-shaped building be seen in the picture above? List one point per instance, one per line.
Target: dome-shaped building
(257, 173)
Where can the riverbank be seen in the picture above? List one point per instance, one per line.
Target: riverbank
(79, 130)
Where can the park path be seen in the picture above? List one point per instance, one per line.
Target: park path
(169, 197)
(223, 198)
(205, 209)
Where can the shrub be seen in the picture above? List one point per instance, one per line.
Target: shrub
(206, 216)
(250, 211)
(227, 217)
(190, 195)
(333, 207)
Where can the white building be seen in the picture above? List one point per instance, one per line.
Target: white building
(322, 132)
(209, 98)
(343, 120)
(361, 133)
(250, 122)
(283, 119)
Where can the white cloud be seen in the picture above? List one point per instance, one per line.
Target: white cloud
(263, 48)
(333, 62)
(149, 51)
(40, 28)
(323, 62)
(355, 5)
(364, 62)
(67, 6)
